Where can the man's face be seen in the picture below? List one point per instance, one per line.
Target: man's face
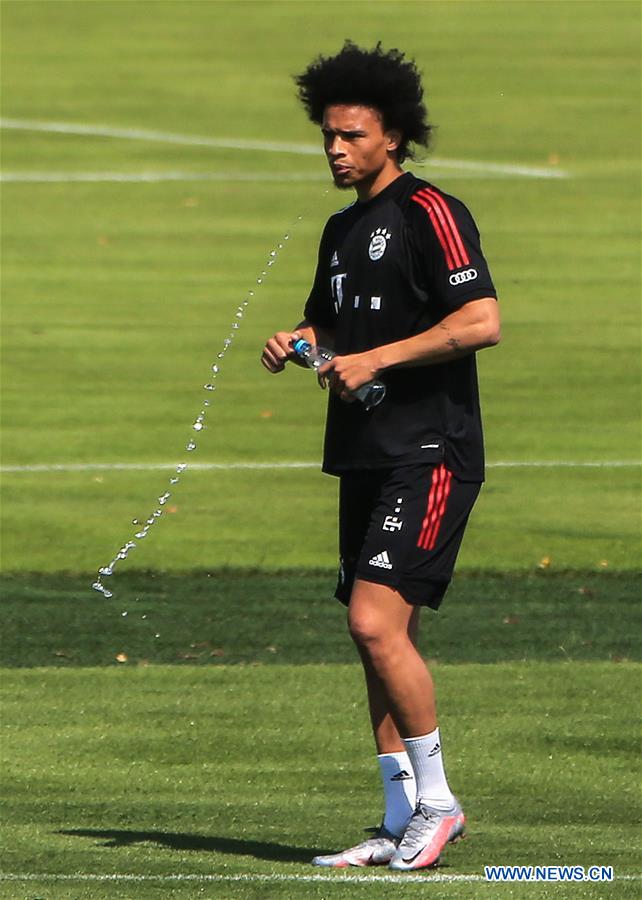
(356, 145)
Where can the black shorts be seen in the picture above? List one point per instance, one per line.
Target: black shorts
(403, 528)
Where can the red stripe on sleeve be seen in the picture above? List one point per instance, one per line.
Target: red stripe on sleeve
(447, 246)
(440, 201)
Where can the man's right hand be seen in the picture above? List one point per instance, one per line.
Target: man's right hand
(279, 349)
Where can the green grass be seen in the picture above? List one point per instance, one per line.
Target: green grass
(256, 618)
(116, 300)
(237, 770)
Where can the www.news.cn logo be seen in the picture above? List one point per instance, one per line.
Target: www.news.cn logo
(548, 873)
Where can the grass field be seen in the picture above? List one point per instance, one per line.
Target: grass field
(135, 222)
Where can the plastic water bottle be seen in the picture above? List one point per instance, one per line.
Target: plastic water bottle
(371, 394)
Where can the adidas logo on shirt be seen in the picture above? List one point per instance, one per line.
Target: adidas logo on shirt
(335, 259)
(382, 560)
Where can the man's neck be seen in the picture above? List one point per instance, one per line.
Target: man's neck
(368, 189)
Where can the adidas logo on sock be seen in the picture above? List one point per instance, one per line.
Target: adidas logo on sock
(382, 560)
(435, 750)
(401, 776)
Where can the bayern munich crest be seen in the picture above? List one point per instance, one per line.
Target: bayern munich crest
(378, 243)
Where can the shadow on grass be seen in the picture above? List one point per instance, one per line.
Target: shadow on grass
(178, 841)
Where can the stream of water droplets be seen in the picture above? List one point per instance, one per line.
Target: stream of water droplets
(142, 529)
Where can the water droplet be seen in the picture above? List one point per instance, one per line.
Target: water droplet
(106, 570)
(130, 545)
(164, 498)
(181, 468)
(215, 369)
(157, 635)
(239, 315)
(259, 281)
(227, 342)
(263, 273)
(272, 252)
(286, 237)
(97, 586)
(271, 262)
(144, 617)
(197, 426)
(209, 387)
(122, 555)
(220, 355)
(173, 480)
(280, 246)
(141, 534)
(157, 513)
(299, 218)
(251, 293)
(206, 403)
(191, 446)
(235, 325)
(150, 521)
(135, 522)
(107, 593)
(123, 614)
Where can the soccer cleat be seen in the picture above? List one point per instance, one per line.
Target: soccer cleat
(376, 851)
(426, 835)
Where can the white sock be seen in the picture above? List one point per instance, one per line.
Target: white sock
(425, 757)
(398, 791)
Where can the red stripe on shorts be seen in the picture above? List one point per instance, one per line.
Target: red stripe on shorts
(436, 507)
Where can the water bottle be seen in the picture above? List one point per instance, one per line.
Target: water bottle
(371, 394)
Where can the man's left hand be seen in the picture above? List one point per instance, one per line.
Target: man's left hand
(346, 374)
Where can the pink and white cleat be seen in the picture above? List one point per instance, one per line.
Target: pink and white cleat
(426, 835)
(376, 851)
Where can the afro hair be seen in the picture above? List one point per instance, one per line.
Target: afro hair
(383, 80)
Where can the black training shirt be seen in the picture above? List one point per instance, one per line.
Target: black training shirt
(388, 269)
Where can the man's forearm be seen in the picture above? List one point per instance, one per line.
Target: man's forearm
(471, 328)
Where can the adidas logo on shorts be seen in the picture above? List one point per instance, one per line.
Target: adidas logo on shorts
(382, 560)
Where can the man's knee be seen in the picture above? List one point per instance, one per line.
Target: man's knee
(377, 616)
(366, 626)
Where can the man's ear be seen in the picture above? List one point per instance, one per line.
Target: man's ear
(394, 139)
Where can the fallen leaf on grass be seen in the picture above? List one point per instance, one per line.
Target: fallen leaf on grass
(544, 562)
(122, 658)
(511, 620)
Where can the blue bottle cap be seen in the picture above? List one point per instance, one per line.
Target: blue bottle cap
(301, 346)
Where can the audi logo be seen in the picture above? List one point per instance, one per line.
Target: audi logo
(463, 277)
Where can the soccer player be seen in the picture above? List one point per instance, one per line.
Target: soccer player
(402, 293)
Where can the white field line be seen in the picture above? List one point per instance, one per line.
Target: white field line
(258, 878)
(142, 134)
(211, 466)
